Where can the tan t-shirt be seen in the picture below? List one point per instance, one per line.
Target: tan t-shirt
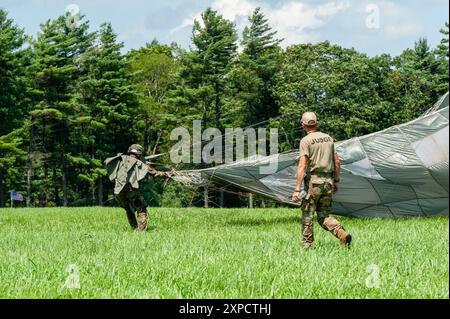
(319, 147)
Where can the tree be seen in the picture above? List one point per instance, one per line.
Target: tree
(55, 71)
(205, 69)
(252, 77)
(442, 55)
(418, 70)
(13, 100)
(11, 158)
(339, 84)
(12, 81)
(155, 72)
(107, 101)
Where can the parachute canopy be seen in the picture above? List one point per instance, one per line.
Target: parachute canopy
(400, 171)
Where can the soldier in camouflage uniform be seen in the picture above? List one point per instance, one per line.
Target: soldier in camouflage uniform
(127, 171)
(317, 152)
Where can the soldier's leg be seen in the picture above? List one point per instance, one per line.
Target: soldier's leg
(307, 226)
(142, 218)
(123, 202)
(329, 222)
(308, 209)
(138, 202)
(131, 217)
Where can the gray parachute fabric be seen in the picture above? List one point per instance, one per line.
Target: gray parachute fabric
(401, 171)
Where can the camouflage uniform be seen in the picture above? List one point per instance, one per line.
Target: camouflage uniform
(318, 147)
(127, 171)
(318, 199)
(131, 200)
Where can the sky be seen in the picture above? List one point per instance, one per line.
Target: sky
(370, 26)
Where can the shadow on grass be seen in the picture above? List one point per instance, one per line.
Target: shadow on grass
(261, 222)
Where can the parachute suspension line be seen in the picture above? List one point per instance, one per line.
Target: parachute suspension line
(194, 178)
(287, 116)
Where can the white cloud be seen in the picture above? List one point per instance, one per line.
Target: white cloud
(189, 22)
(229, 9)
(292, 20)
(135, 33)
(232, 9)
(398, 21)
(402, 30)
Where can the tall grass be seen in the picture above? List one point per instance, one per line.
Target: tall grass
(216, 253)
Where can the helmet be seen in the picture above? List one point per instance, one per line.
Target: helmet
(136, 149)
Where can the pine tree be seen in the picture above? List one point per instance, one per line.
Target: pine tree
(206, 67)
(107, 101)
(259, 37)
(13, 101)
(12, 81)
(55, 71)
(442, 56)
(11, 160)
(442, 49)
(253, 74)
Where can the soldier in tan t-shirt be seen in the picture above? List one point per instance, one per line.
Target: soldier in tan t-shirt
(317, 152)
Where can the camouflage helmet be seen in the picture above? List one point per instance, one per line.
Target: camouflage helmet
(136, 149)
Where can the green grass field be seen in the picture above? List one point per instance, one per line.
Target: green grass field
(228, 253)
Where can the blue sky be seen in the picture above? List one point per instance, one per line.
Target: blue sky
(370, 26)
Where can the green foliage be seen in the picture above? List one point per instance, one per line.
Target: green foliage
(55, 72)
(11, 159)
(70, 98)
(442, 54)
(13, 103)
(334, 82)
(352, 93)
(13, 60)
(203, 77)
(155, 72)
(107, 100)
(252, 78)
(177, 195)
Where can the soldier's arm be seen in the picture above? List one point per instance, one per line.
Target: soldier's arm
(152, 171)
(301, 171)
(337, 172)
(337, 167)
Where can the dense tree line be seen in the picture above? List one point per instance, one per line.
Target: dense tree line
(70, 97)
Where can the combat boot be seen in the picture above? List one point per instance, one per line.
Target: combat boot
(344, 238)
(142, 220)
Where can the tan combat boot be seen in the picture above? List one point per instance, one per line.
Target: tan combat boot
(344, 238)
(142, 220)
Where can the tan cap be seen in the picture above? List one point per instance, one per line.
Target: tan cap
(309, 118)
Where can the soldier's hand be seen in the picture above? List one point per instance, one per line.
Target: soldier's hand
(296, 197)
(170, 174)
(335, 187)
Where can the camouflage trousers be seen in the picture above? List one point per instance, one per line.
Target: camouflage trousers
(131, 200)
(318, 199)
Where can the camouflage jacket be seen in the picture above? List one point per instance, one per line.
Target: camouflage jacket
(124, 169)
